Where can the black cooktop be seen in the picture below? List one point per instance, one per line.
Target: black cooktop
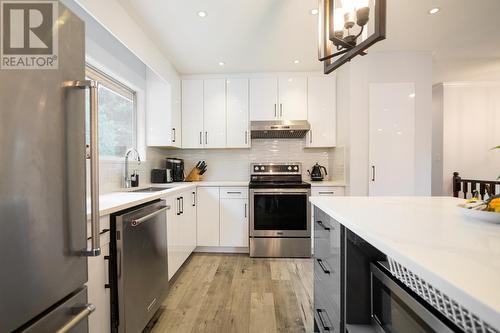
(275, 184)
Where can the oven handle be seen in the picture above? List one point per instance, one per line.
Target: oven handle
(281, 193)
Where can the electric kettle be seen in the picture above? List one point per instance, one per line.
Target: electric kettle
(316, 173)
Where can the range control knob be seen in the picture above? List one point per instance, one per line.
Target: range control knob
(289, 167)
(296, 168)
(256, 168)
(262, 168)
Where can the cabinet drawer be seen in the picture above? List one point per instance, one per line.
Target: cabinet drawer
(234, 192)
(327, 191)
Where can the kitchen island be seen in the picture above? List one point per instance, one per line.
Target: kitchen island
(430, 237)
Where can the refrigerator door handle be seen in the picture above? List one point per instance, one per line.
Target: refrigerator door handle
(93, 87)
(84, 313)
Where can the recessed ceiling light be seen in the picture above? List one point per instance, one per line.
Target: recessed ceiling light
(314, 11)
(434, 10)
(221, 63)
(296, 61)
(412, 95)
(202, 13)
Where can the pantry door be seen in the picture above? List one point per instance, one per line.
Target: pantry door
(392, 139)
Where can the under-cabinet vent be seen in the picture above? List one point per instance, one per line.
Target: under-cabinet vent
(455, 312)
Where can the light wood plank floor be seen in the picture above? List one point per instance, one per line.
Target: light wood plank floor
(235, 293)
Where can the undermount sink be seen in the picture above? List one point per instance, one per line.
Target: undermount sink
(152, 189)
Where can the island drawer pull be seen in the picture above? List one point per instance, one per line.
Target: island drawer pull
(322, 321)
(323, 267)
(326, 192)
(323, 226)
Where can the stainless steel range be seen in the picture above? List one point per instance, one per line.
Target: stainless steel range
(280, 212)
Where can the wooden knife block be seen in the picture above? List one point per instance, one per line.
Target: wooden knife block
(194, 175)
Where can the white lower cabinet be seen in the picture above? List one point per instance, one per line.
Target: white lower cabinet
(222, 217)
(98, 293)
(233, 228)
(208, 216)
(181, 229)
(233, 222)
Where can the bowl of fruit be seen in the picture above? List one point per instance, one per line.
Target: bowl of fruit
(486, 210)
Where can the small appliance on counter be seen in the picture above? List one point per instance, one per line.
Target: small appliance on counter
(196, 174)
(161, 176)
(316, 174)
(177, 167)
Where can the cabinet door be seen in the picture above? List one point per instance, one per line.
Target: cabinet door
(321, 111)
(238, 132)
(214, 113)
(208, 216)
(176, 115)
(159, 111)
(234, 222)
(191, 204)
(173, 234)
(264, 98)
(292, 97)
(98, 294)
(192, 113)
(392, 139)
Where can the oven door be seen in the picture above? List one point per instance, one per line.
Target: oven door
(280, 213)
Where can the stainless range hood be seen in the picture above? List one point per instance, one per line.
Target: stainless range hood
(279, 129)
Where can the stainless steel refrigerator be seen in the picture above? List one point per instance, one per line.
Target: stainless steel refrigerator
(43, 213)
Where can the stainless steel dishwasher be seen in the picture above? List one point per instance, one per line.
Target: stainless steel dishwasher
(138, 265)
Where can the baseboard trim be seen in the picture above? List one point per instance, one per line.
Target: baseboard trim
(221, 249)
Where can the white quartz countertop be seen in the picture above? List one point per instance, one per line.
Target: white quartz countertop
(113, 202)
(431, 237)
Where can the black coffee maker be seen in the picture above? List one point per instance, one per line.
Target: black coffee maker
(177, 167)
(315, 173)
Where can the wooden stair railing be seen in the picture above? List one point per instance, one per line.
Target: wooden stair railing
(468, 186)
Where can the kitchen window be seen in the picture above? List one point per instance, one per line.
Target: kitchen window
(117, 115)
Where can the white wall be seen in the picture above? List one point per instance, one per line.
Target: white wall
(471, 127)
(353, 82)
(104, 51)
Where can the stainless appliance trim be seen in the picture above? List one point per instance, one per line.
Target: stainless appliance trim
(408, 300)
(280, 247)
(93, 87)
(279, 233)
(288, 172)
(84, 313)
(262, 129)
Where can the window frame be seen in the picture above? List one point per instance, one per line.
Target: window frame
(114, 85)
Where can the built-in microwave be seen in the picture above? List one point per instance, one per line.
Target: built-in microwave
(396, 309)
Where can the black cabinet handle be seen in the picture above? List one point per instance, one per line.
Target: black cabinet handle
(323, 226)
(178, 206)
(323, 267)
(194, 199)
(322, 321)
(182, 205)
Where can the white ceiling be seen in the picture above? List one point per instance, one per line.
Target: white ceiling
(268, 35)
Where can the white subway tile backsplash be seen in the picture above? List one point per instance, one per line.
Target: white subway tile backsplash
(228, 164)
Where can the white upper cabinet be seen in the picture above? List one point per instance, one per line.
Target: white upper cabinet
(238, 132)
(278, 98)
(214, 113)
(192, 114)
(264, 98)
(292, 97)
(163, 112)
(321, 111)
